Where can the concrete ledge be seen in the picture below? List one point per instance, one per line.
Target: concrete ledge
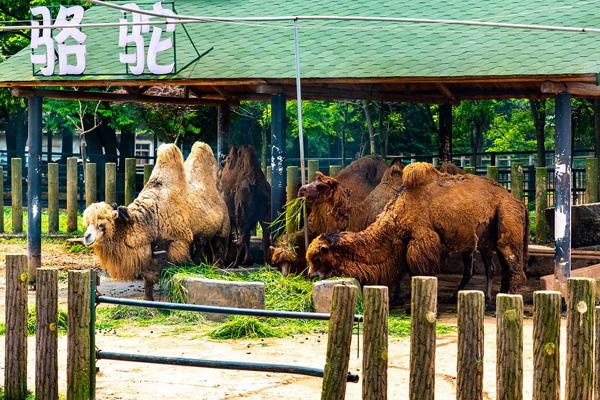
(322, 292)
(547, 282)
(211, 292)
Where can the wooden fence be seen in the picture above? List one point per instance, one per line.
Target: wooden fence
(582, 320)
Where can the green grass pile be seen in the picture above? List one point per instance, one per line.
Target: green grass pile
(243, 327)
(61, 322)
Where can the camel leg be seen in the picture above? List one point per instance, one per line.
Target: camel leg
(486, 257)
(148, 289)
(467, 274)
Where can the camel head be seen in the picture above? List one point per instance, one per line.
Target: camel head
(321, 189)
(283, 258)
(322, 261)
(101, 220)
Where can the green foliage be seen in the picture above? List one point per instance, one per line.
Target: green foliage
(242, 327)
(61, 322)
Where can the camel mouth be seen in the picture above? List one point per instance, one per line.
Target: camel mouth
(88, 241)
(284, 267)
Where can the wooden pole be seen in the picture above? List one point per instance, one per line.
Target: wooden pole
(292, 183)
(15, 367)
(375, 343)
(591, 180)
(1, 199)
(516, 181)
(422, 338)
(72, 194)
(53, 189)
(492, 173)
(313, 167)
(16, 189)
(334, 170)
(580, 338)
(546, 345)
(542, 230)
(469, 170)
(129, 180)
(509, 347)
(469, 366)
(110, 183)
(78, 336)
(90, 184)
(46, 337)
(147, 172)
(339, 340)
(597, 355)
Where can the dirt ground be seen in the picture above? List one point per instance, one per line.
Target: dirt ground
(121, 380)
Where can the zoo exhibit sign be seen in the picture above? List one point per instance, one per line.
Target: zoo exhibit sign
(70, 47)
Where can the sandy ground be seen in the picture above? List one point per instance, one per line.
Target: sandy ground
(123, 380)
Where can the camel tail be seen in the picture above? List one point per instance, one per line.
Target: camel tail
(418, 174)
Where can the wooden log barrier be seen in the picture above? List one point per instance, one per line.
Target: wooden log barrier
(334, 170)
(1, 199)
(339, 340)
(291, 189)
(509, 347)
(90, 184)
(110, 183)
(79, 355)
(493, 173)
(516, 181)
(591, 180)
(542, 231)
(72, 194)
(313, 167)
(422, 338)
(580, 339)
(597, 354)
(129, 180)
(46, 337)
(469, 361)
(470, 170)
(546, 345)
(15, 365)
(16, 189)
(147, 172)
(53, 190)
(375, 342)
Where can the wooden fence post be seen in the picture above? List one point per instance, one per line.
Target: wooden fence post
(334, 170)
(110, 183)
(72, 194)
(147, 172)
(542, 231)
(16, 189)
(422, 338)
(470, 170)
(591, 180)
(469, 361)
(90, 184)
(546, 345)
(516, 181)
(79, 351)
(313, 167)
(509, 347)
(580, 339)
(339, 339)
(375, 342)
(292, 183)
(597, 354)
(493, 173)
(129, 180)
(15, 365)
(1, 199)
(46, 334)
(53, 189)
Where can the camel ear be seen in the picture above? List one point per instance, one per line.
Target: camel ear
(115, 214)
(323, 247)
(122, 214)
(272, 248)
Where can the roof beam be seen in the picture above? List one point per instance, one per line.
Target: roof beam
(444, 89)
(575, 88)
(109, 96)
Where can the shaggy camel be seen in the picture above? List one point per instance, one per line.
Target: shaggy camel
(165, 214)
(248, 197)
(436, 215)
(330, 202)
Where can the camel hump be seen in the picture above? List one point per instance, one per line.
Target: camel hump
(418, 174)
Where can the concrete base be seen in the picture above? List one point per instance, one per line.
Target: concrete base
(548, 283)
(211, 292)
(322, 292)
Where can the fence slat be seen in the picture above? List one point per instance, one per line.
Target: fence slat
(90, 184)
(546, 345)
(16, 189)
(15, 371)
(375, 342)
(580, 339)
(542, 231)
(46, 337)
(509, 347)
(422, 338)
(516, 181)
(469, 362)
(110, 183)
(72, 194)
(53, 188)
(78, 335)
(129, 180)
(339, 339)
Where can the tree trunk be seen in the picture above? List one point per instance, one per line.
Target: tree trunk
(538, 110)
(365, 105)
(445, 133)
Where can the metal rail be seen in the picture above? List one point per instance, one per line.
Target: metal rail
(218, 310)
(218, 364)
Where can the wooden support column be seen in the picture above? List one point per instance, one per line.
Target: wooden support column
(278, 176)
(445, 133)
(223, 123)
(34, 186)
(562, 196)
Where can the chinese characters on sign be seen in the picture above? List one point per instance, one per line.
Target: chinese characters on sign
(70, 41)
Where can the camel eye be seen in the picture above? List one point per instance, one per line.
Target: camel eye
(101, 227)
